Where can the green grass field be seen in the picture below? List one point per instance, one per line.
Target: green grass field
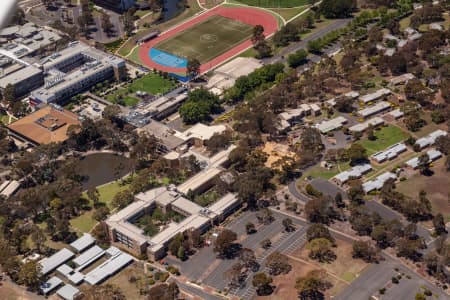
(208, 39)
(386, 137)
(150, 83)
(275, 3)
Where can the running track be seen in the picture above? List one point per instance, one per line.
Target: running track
(251, 16)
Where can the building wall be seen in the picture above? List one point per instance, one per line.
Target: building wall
(27, 85)
(116, 5)
(124, 242)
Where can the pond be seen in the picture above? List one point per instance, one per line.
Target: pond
(172, 8)
(101, 168)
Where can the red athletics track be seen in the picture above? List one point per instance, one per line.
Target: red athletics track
(248, 15)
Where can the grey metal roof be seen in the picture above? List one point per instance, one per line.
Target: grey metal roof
(50, 263)
(83, 242)
(68, 292)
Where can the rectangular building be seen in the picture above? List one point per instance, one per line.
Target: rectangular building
(330, 125)
(374, 109)
(374, 122)
(24, 80)
(354, 173)
(433, 155)
(389, 153)
(377, 183)
(430, 139)
(74, 70)
(375, 95)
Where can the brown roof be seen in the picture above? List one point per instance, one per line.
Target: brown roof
(45, 125)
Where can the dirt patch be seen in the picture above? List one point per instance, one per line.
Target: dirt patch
(435, 186)
(276, 152)
(12, 291)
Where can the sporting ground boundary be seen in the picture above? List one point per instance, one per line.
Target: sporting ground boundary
(248, 15)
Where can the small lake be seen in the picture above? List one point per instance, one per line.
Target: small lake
(171, 9)
(101, 168)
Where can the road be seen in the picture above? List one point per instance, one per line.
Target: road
(281, 56)
(292, 187)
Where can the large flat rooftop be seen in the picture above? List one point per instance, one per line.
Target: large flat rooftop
(46, 125)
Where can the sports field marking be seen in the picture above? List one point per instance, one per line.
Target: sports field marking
(208, 39)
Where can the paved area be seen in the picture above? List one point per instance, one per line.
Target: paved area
(282, 55)
(326, 187)
(379, 276)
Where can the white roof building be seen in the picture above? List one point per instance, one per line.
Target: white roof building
(68, 292)
(88, 257)
(365, 125)
(430, 139)
(396, 113)
(389, 153)
(433, 155)
(355, 172)
(108, 268)
(375, 95)
(201, 131)
(401, 79)
(330, 125)
(83, 242)
(50, 285)
(378, 182)
(51, 263)
(9, 187)
(374, 109)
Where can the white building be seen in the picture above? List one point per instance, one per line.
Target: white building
(374, 122)
(374, 109)
(389, 153)
(355, 172)
(433, 155)
(430, 139)
(375, 95)
(377, 183)
(330, 125)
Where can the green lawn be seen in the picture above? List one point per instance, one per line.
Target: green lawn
(274, 3)
(208, 39)
(85, 222)
(150, 83)
(319, 172)
(289, 13)
(386, 137)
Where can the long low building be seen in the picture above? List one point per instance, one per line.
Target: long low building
(374, 109)
(49, 264)
(355, 172)
(389, 153)
(374, 122)
(430, 139)
(375, 95)
(433, 155)
(330, 125)
(377, 183)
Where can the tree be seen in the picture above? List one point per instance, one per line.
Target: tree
(93, 194)
(224, 244)
(344, 104)
(258, 34)
(266, 244)
(235, 275)
(219, 141)
(318, 210)
(357, 154)
(261, 281)
(248, 259)
(250, 228)
(38, 237)
(320, 249)
(424, 163)
(193, 67)
(122, 199)
(164, 291)
(337, 8)
(101, 234)
(316, 231)
(298, 58)
(439, 224)
(420, 296)
(107, 26)
(101, 213)
(278, 263)
(199, 105)
(288, 225)
(30, 274)
(9, 93)
(311, 286)
(265, 216)
(365, 251)
(263, 49)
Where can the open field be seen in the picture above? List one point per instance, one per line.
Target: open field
(208, 39)
(435, 186)
(289, 13)
(320, 172)
(386, 136)
(130, 289)
(274, 3)
(193, 8)
(150, 83)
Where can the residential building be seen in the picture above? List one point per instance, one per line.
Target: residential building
(389, 153)
(377, 183)
(374, 122)
(401, 79)
(330, 125)
(430, 139)
(375, 95)
(355, 172)
(433, 155)
(374, 109)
